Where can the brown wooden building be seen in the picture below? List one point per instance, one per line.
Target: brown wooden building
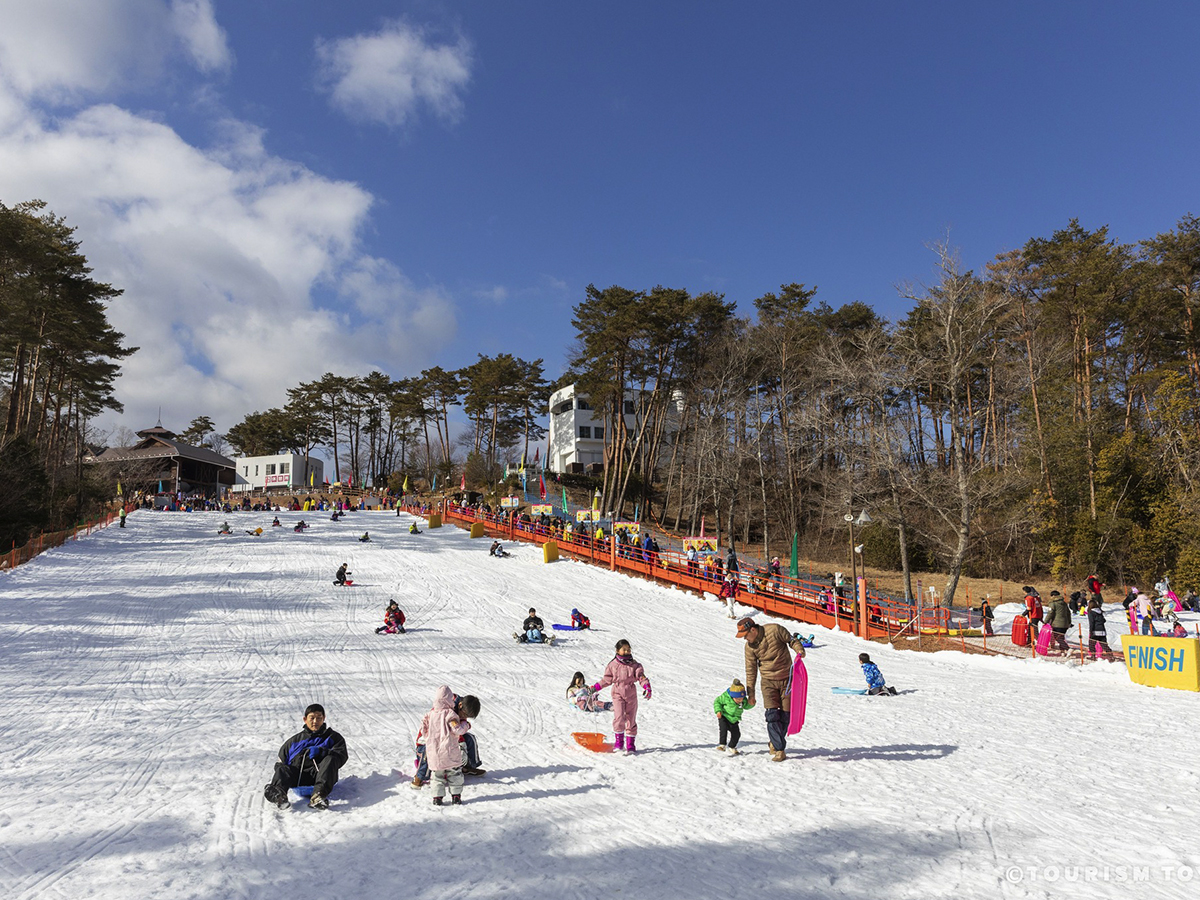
(158, 458)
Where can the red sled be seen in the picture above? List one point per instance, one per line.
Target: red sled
(1020, 631)
(345, 583)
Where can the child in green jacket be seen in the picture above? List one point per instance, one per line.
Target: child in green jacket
(729, 707)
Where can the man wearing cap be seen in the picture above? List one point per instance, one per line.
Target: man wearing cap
(767, 651)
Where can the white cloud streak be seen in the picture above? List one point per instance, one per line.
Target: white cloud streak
(243, 272)
(387, 76)
(60, 51)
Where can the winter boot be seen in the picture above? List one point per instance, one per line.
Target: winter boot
(276, 795)
(630, 747)
(619, 742)
(318, 801)
(437, 801)
(456, 799)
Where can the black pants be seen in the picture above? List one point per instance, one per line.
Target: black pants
(322, 775)
(1060, 638)
(731, 732)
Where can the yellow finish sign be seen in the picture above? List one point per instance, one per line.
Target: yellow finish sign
(1163, 661)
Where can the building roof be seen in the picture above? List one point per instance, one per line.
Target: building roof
(154, 445)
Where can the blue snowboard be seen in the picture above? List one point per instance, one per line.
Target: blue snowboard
(838, 690)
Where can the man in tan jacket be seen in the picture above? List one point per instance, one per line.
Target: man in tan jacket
(767, 652)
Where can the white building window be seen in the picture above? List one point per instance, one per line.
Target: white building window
(270, 468)
(598, 432)
(246, 471)
(585, 431)
(284, 468)
(256, 471)
(629, 407)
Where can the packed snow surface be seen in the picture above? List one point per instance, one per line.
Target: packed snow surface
(150, 673)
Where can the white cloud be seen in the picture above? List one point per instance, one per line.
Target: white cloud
(62, 50)
(388, 75)
(197, 28)
(224, 256)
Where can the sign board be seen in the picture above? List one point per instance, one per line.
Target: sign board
(541, 509)
(702, 545)
(279, 479)
(586, 515)
(509, 502)
(1163, 661)
(631, 529)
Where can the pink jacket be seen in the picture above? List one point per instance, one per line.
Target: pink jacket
(441, 728)
(623, 677)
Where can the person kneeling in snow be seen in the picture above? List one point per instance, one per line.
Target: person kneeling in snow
(496, 550)
(579, 621)
(311, 756)
(876, 686)
(340, 576)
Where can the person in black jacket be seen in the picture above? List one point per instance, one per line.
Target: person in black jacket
(534, 630)
(340, 576)
(311, 756)
(1097, 631)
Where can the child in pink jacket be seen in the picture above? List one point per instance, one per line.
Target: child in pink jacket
(624, 673)
(442, 726)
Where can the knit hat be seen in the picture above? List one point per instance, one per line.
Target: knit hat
(737, 690)
(744, 625)
(1055, 594)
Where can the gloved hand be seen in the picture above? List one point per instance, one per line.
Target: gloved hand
(646, 690)
(596, 687)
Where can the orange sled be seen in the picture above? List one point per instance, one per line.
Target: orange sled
(593, 740)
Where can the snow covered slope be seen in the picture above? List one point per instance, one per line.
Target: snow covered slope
(149, 675)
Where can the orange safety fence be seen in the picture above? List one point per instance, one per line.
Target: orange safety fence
(871, 616)
(44, 541)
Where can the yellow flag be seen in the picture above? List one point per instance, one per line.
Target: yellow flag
(406, 484)
(119, 491)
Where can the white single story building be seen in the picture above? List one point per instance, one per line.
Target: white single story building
(283, 470)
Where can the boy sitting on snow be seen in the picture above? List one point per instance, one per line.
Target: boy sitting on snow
(311, 756)
(876, 686)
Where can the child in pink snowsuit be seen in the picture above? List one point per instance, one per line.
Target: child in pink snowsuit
(624, 673)
(441, 727)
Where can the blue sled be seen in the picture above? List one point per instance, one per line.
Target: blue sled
(558, 627)
(837, 690)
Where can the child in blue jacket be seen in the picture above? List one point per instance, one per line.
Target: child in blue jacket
(876, 686)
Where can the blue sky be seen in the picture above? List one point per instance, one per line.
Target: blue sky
(285, 187)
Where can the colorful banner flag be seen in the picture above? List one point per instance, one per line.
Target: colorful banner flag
(435, 482)
(541, 487)
(463, 485)
(794, 566)
(702, 526)
(536, 452)
(566, 508)
(406, 484)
